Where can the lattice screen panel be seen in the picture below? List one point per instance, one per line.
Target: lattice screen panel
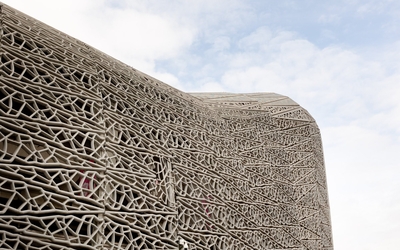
(97, 155)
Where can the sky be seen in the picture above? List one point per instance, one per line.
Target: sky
(339, 59)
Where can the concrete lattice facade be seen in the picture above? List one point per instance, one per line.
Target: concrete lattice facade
(97, 155)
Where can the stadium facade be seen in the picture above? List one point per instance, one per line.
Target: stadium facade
(97, 155)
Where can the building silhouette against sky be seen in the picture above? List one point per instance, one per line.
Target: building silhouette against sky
(97, 155)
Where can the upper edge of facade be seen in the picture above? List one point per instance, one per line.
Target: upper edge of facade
(243, 101)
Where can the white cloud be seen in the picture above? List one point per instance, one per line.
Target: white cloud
(129, 34)
(209, 85)
(259, 39)
(169, 78)
(331, 76)
(365, 204)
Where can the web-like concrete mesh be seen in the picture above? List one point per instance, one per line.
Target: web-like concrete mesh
(96, 155)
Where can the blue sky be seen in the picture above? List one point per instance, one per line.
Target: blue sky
(338, 59)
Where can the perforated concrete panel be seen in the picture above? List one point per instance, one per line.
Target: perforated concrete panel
(97, 155)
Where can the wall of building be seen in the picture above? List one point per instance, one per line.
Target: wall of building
(97, 155)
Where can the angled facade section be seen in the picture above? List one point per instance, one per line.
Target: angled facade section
(97, 155)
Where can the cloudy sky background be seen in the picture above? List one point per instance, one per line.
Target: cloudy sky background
(338, 59)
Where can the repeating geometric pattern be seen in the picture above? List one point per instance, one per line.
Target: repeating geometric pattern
(97, 155)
